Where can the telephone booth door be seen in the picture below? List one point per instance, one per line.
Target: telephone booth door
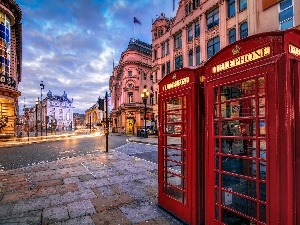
(178, 148)
(246, 123)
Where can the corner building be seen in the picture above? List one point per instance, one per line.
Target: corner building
(10, 64)
(131, 76)
(201, 28)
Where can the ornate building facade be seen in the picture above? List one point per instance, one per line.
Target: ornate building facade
(129, 78)
(10, 64)
(202, 27)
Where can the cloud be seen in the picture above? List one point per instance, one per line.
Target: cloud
(71, 45)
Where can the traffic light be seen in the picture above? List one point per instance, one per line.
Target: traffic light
(101, 104)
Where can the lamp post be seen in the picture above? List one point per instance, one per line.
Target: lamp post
(144, 95)
(36, 108)
(42, 87)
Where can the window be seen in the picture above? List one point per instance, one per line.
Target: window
(243, 5)
(130, 97)
(190, 33)
(155, 54)
(145, 76)
(186, 10)
(162, 49)
(178, 41)
(213, 46)
(190, 57)
(168, 67)
(198, 55)
(151, 99)
(168, 47)
(130, 85)
(197, 28)
(212, 18)
(244, 30)
(286, 14)
(196, 3)
(232, 35)
(129, 73)
(178, 62)
(163, 70)
(231, 8)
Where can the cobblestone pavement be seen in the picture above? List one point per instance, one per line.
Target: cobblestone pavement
(103, 188)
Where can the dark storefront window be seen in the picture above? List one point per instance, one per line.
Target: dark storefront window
(213, 46)
(240, 152)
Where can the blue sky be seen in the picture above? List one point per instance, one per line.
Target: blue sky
(70, 45)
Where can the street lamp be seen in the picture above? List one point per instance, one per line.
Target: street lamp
(42, 87)
(144, 95)
(36, 108)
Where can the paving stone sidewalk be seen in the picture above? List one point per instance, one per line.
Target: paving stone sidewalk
(105, 188)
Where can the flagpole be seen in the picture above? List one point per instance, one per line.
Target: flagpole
(133, 30)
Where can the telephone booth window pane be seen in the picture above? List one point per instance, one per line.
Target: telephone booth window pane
(174, 127)
(241, 158)
(233, 218)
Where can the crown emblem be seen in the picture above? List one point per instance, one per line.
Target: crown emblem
(236, 50)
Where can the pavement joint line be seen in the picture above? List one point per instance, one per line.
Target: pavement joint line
(89, 170)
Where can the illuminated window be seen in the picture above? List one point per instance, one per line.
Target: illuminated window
(212, 18)
(286, 14)
(213, 46)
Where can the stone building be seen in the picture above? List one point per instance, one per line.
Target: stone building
(201, 28)
(129, 78)
(10, 64)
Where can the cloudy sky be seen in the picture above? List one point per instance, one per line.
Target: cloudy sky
(70, 45)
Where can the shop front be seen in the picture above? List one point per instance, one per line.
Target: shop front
(179, 147)
(252, 101)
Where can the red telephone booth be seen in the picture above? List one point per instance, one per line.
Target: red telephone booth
(180, 146)
(252, 125)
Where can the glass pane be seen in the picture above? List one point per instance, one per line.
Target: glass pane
(217, 213)
(175, 193)
(261, 85)
(174, 116)
(236, 166)
(217, 162)
(233, 218)
(263, 192)
(239, 204)
(261, 105)
(217, 145)
(175, 142)
(285, 4)
(263, 213)
(217, 179)
(286, 14)
(287, 24)
(262, 128)
(262, 172)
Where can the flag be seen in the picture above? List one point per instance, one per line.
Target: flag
(135, 20)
